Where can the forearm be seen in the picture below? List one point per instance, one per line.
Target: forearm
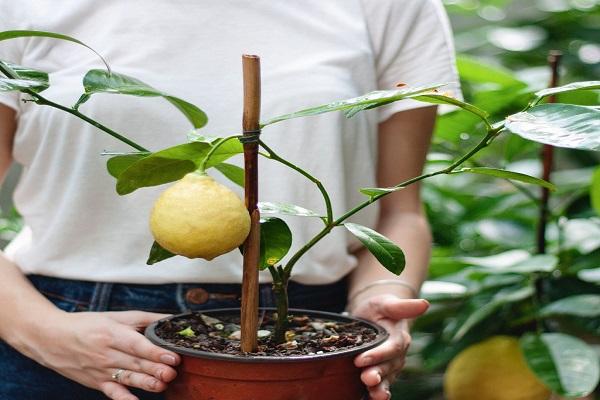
(410, 231)
(22, 308)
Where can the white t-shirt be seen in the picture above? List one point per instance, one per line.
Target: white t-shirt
(312, 52)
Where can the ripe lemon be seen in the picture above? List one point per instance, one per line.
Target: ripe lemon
(492, 370)
(198, 217)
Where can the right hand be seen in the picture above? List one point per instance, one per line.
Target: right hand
(89, 347)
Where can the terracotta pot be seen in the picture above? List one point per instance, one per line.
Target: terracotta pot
(212, 376)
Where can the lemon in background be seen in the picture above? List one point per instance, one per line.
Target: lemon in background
(198, 217)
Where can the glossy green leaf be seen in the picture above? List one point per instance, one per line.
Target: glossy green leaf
(501, 173)
(583, 305)
(586, 85)
(440, 98)
(162, 167)
(100, 81)
(25, 78)
(504, 296)
(562, 125)
(372, 192)
(232, 172)
(589, 275)
(6, 35)
(117, 164)
(369, 100)
(275, 241)
(565, 364)
(595, 190)
(386, 251)
(158, 254)
(227, 148)
(476, 71)
(267, 207)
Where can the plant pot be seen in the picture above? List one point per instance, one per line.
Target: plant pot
(212, 376)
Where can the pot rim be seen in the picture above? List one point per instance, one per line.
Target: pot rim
(382, 335)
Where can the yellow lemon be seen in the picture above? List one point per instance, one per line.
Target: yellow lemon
(198, 217)
(492, 370)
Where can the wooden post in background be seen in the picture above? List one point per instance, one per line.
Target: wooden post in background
(547, 160)
(250, 125)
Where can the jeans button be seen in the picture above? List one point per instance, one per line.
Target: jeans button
(196, 296)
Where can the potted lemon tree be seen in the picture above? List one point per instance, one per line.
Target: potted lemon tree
(273, 354)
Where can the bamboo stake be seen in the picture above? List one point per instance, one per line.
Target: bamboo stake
(547, 160)
(250, 125)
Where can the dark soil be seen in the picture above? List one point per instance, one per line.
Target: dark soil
(306, 335)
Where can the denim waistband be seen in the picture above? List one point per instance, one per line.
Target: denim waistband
(75, 295)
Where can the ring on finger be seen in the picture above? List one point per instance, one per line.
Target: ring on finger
(117, 374)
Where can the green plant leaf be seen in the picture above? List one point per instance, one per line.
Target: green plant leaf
(232, 172)
(562, 125)
(586, 85)
(589, 275)
(228, 147)
(565, 364)
(158, 254)
(162, 167)
(22, 78)
(6, 35)
(372, 192)
(267, 207)
(20, 85)
(476, 71)
(367, 101)
(100, 81)
(275, 241)
(117, 164)
(386, 251)
(501, 173)
(504, 296)
(440, 98)
(595, 190)
(583, 305)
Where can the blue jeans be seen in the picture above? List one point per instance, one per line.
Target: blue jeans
(23, 379)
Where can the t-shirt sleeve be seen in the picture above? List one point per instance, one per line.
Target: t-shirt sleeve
(412, 44)
(10, 50)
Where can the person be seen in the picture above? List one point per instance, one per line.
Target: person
(75, 289)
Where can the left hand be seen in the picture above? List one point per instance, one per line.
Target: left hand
(383, 363)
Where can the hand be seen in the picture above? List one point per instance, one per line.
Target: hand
(383, 363)
(89, 347)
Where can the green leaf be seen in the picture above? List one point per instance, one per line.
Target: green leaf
(6, 35)
(583, 305)
(475, 71)
(187, 332)
(158, 254)
(275, 241)
(565, 364)
(536, 263)
(117, 164)
(585, 85)
(100, 81)
(440, 98)
(162, 167)
(386, 251)
(595, 190)
(227, 148)
(23, 78)
(20, 85)
(232, 172)
(372, 192)
(267, 207)
(562, 125)
(369, 100)
(589, 275)
(504, 296)
(501, 173)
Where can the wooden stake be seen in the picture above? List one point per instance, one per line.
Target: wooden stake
(250, 125)
(547, 160)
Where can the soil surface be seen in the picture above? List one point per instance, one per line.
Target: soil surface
(306, 335)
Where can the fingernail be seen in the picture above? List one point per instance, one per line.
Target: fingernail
(378, 376)
(366, 361)
(168, 359)
(388, 394)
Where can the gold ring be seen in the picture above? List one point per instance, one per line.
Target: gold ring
(117, 374)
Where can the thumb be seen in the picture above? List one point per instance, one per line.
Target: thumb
(136, 319)
(397, 309)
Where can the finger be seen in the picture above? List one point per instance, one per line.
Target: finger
(373, 376)
(397, 309)
(115, 391)
(137, 319)
(392, 349)
(380, 392)
(141, 381)
(135, 344)
(132, 363)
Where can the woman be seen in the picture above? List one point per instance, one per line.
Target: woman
(75, 288)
